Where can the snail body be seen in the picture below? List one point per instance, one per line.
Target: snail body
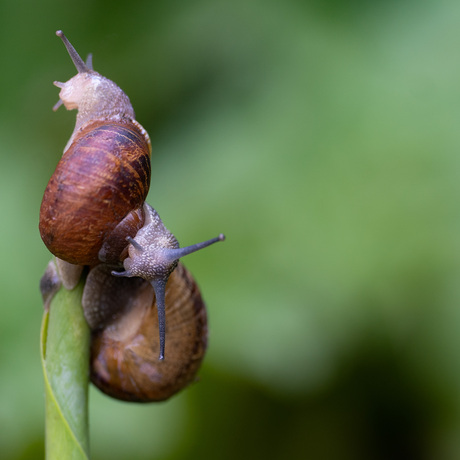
(94, 214)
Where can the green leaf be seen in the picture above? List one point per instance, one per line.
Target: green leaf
(65, 342)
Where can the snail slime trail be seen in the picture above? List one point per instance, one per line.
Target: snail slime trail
(145, 310)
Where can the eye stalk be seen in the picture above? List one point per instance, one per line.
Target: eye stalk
(77, 60)
(81, 66)
(153, 255)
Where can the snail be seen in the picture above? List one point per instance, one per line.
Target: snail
(94, 214)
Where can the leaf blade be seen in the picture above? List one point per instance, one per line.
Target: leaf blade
(65, 356)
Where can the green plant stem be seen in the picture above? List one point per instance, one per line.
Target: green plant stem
(65, 342)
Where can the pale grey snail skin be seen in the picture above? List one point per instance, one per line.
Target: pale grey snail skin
(93, 95)
(85, 221)
(153, 255)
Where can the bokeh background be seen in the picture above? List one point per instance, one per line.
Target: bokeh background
(321, 136)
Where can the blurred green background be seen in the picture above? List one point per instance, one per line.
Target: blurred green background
(322, 138)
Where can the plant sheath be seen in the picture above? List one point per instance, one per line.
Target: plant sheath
(65, 339)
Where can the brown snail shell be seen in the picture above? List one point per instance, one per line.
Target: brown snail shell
(102, 177)
(124, 352)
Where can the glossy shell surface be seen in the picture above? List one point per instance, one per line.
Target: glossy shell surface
(124, 353)
(101, 178)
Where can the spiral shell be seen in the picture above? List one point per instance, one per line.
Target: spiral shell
(125, 348)
(101, 178)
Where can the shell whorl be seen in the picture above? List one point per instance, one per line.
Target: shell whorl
(124, 353)
(102, 177)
